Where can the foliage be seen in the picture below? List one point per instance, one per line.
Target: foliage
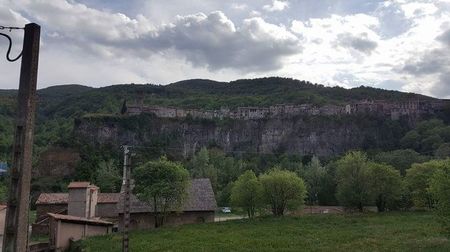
(247, 193)
(108, 177)
(443, 151)
(385, 186)
(283, 189)
(405, 231)
(353, 181)
(427, 137)
(314, 176)
(162, 184)
(201, 167)
(440, 190)
(400, 159)
(417, 180)
(3, 191)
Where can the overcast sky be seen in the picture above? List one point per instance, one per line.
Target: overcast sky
(399, 44)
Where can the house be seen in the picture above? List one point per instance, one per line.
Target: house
(64, 228)
(57, 203)
(199, 207)
(81, 220)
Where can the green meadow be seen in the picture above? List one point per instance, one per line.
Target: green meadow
(397, 231)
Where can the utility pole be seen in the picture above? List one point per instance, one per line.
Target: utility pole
(16, 227)
(126, 192)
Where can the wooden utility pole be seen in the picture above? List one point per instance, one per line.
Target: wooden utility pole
(16, 227)
(126, 192)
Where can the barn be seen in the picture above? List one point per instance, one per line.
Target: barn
(199, 207)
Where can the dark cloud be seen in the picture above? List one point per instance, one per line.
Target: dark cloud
(431, 62)
(360, 43)
(434, 63)
(445, 38)
(442, 88)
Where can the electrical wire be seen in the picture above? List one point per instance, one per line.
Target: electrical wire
(8, 57)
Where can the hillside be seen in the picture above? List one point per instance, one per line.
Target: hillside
(60, 105)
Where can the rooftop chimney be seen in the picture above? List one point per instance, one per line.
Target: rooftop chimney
(82, 199)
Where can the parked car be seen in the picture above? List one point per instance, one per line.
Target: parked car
(226, 210)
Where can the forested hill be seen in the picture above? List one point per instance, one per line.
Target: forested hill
(59, 105)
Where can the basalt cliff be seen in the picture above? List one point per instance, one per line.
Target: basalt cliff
(294, 129)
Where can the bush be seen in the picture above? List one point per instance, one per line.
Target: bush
(283, 189)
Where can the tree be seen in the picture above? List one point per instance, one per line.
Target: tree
(440, 190)
(353, 181)
(282, 189)
(247, 193)
(443, 151)
(314, 177)
(385, 184)
(400, 159)
(108, 177)
(201, 167)
(417, 180)
(162, 184)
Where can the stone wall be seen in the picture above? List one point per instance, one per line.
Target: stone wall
(147, 220)
(390, 109)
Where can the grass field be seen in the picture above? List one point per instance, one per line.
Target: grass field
(367, 232)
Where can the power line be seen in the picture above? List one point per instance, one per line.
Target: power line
(10, 28)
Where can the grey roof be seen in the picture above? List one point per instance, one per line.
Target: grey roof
(200, 198)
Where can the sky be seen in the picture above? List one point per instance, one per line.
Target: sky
(399, 44)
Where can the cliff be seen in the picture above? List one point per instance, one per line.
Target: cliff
(306, 135)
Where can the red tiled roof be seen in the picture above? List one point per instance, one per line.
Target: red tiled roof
(63, 198)
(77, 219)
(77, 184)
(53, 198)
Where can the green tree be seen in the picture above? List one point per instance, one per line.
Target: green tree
(162, 184)
(247, 193)
(314, 177)
(440, 190)
(411, 140)
(386, 185)
(108, 176)
(283, 190)
(443, 151)
(400, 159)
(417, 180)
(201, 167)
(353, 181)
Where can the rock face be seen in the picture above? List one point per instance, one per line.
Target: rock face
(304, 135)
(57, 163)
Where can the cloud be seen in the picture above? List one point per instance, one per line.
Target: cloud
(433, 66)
(277, 5)
(214, 41)
(360, 42)
(239, 6)
(211, 41)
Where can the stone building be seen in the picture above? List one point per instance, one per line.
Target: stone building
(199, 207)
(58, 203)
(80, 221)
